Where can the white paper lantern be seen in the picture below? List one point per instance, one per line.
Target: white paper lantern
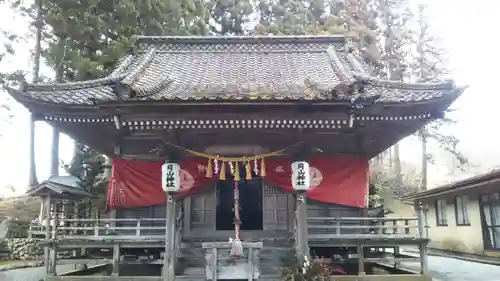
(300, 176)
(170, 176)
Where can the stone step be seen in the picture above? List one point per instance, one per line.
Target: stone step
(270, 270)
(270, 277)
(194, 271)
(190, 278)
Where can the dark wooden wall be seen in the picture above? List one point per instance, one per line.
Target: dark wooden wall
(156, 211)
(200, 212)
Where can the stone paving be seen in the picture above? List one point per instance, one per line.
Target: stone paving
(450, 269)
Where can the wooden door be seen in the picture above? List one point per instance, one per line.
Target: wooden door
(275, 208)
(202, 211)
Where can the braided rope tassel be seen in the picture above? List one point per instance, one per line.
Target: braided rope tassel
(237, 248)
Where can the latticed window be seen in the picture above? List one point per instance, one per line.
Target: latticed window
(441, 213)
(461, 213)
(490, 220)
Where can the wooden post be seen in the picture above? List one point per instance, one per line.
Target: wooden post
(53, 248)
(251, 256)
(302, 233)
(168, 259)
(32, 173)
(138, 228)
(116, 260)
(423, 235)
(361, 260)
(214, 264)
(76, 217)
(396, 248)
(46, 258)
(112, 218)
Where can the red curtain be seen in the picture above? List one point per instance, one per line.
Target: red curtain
(136, 183)
(339, 180)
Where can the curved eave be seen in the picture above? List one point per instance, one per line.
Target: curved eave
(77, 85)
(36, 105)
(436, 86)
(445, 100)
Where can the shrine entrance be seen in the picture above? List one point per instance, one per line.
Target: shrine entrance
(250, 200)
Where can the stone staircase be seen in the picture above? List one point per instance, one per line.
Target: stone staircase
(275, 254)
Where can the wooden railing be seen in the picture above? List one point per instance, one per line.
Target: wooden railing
(363, 227)
(368, 234)
(104, 228)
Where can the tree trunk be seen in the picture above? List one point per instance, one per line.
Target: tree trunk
(425, 160)
(397, 165)
(38, 42)
(54, 165)
(33, 180)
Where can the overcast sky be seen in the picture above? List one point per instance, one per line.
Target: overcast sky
(467, 30)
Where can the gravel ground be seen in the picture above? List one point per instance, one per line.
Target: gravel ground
(30, 274)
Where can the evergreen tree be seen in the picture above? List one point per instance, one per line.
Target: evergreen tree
(230, 17)
(91, 168)
(283, 17)
(9, 39)
(395, 36)
(86, 38)
(315, 17)
(429, 64)
(98, 33)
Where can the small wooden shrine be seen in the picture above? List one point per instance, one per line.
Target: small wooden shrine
(233, 114)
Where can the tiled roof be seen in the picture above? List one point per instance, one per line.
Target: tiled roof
(60, 187)
(237, 68)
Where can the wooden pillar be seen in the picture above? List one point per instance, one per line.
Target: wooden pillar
(169, 258)
(112, 218)
(397, 251)
(116, 260)
(361, 260)
(423, 235)
(46, 258)
(53, 248)
(32, 173)
(302, 233)
(301, 205)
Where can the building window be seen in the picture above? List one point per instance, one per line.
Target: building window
(461, 214)
(490, 220)
(441, 213)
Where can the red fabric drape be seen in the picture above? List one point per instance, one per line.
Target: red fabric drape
(339, 180)
(138, 183)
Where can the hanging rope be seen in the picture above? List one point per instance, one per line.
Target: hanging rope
(213, 162)
(237, 220)
(234, 159)
(237, 247)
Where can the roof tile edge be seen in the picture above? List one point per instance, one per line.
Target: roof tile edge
(258, 39)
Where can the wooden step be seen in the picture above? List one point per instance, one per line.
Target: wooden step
(272, 258)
